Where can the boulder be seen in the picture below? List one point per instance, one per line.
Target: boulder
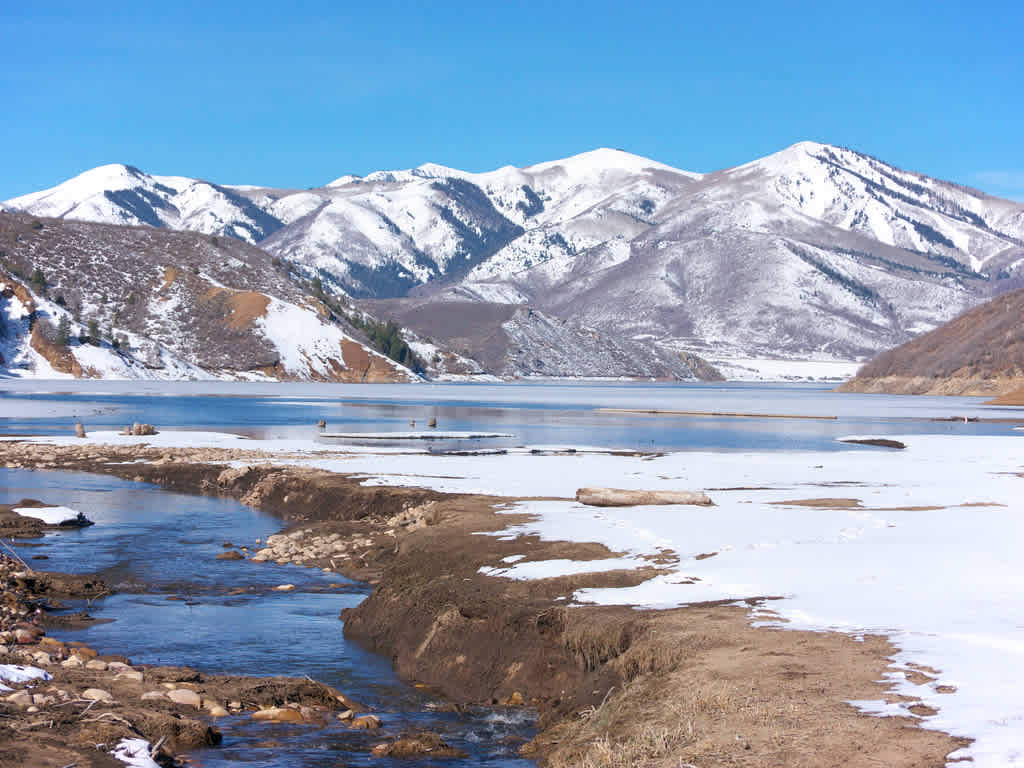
(20, 699)
(231, 555)
(185, 696)
(278, 715)
(79, 430)
(367, 722)
(97, 694)
(417, 745)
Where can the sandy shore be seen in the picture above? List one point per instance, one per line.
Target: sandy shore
(613, 686)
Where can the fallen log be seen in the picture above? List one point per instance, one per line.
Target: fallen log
(620, 497)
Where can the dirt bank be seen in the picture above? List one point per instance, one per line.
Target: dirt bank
(613, 686)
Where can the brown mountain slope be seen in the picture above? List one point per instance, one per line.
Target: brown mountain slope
(166, 305)
(981, 352)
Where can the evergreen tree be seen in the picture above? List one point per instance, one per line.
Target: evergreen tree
(63, 331)
(39, 281)
(94, 333)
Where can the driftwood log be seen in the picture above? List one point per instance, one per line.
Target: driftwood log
(620, 497)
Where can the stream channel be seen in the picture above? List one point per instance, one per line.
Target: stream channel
(176, 604)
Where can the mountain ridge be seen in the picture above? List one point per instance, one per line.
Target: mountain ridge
(815, 252)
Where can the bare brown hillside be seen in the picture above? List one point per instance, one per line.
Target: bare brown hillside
(139, 302)
(981, 352)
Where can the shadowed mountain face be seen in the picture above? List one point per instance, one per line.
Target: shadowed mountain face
(981, 352)
(816, 252)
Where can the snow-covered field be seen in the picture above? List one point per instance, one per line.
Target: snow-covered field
(926, 551)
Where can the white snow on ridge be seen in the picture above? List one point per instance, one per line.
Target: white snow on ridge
(307, 347)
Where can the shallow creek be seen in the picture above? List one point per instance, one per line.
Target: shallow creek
(177, 604)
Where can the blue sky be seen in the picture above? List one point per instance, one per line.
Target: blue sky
(295, 94)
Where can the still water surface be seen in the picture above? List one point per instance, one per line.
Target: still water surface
(535, 413)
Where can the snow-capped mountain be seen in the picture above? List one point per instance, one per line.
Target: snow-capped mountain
(813, 252)
(121, 194)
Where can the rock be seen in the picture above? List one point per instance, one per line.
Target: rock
(42, 658)
(72, 661)
(85, 653)
(416, 745)
(232, 555)
(143, 429)
(153, 695)
(367, 722)
(20, 698)
(49, 642)
(120, 666)
(132, 675)
(185, 696)
(348, 714)
(26, 636)
(97, 664)
(284, 587)
(79, 430)
(278, 715)
(217, 711)
(349, 704)
(515, 700)
(432, 423)
(97, 694)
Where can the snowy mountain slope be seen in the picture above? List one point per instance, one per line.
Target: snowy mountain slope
(815, 252)
(121, 194)
(145, 303)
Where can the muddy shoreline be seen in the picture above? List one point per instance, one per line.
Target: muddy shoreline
(613, 686)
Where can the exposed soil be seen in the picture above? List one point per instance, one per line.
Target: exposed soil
(1016, 397)
(981, 352)
(613, 686)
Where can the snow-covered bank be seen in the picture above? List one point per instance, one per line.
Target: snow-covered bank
(50, 515)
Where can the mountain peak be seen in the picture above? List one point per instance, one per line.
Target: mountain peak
(604, 159)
